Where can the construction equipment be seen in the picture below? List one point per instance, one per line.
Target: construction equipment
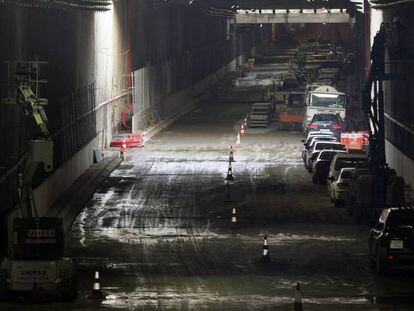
(36, 267)
(292, 112)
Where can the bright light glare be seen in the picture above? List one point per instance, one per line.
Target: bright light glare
(324, 95)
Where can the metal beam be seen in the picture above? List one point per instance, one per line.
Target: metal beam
(294, 18)
(86, 5)
(281, 4)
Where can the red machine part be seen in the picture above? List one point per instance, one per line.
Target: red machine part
(131, 140)
(124, 115)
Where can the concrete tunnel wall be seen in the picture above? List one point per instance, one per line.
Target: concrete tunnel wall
(83, 47)
(187, 50)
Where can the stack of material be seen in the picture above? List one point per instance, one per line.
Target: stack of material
(260, 115)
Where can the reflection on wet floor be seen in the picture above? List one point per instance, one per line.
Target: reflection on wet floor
(159, 230)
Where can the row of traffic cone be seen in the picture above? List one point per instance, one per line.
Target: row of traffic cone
(297, 303)
(241, 133)
(230, 170)
(228, 178)
(265, 258)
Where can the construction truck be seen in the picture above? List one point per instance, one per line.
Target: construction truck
(321, 98)
(35, 268)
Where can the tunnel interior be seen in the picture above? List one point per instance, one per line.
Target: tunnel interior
(177, 137)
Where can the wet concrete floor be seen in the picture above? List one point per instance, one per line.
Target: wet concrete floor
(159, 229)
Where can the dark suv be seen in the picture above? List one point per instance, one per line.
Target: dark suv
(327, 121)
(391, 240)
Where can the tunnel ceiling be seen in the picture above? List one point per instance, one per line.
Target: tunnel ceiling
(227, 8)
(88, 5)
(223, 8)
(283, 4)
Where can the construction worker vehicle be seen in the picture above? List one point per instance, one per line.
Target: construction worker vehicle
(35, 267)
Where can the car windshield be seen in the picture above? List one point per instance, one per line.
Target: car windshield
(322, 146)
(325, 118)
(347, 162)
(346, 175)
(325, 138)
(327, 155)
(320, 133)
(401, 218)
(328, 100)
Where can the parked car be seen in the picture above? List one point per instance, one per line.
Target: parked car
(317, 133)
(320, 167)
(312, 141)
(327, 121)
(313, 152)
(391, 239)
(340, 187)
(342, 160)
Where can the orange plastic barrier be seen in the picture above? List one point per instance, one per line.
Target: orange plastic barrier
(293, 118)
(355, 141)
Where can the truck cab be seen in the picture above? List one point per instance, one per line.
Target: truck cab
(323, 99)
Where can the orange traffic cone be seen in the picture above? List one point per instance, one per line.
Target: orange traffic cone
(297, 303)
(242, 133)
(265, 254)
(123, 149)
(231, 156)
(230, 173)
(233, 216)
(144, 138)
(238, 140)
(97, 292)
